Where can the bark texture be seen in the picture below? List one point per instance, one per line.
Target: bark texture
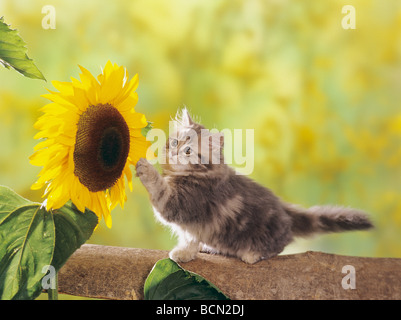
(120, 273)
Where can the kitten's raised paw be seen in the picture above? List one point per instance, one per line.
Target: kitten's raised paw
(251, 257)
(144, 170)
(182, 255)
(141, 166)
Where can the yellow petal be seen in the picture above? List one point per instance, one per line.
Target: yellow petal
(128, 104)
(90, 85)
(64, 87)
(108, 220)
(63, 101)
(111, 83)
(135, 120)
(53, 109)
(76, 194)
(138, 149)
(128, 90)
(114, 196)
(128, 174)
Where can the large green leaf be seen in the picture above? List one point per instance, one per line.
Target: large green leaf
(26, 245)
(168, 281)
(73, 229)
(13, 53)
(10, 201)
(32, 238)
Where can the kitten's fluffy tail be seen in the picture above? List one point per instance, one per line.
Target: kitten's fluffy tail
(323, 219)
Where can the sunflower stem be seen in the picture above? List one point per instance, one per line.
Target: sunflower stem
(53, 293)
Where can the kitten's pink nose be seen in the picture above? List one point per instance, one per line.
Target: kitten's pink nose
(174, 152)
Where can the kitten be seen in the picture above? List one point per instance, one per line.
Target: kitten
(209, 206)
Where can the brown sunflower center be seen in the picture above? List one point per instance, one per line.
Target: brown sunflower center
(101, 147)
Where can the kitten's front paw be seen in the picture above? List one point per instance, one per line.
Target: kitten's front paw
(182, 255)
(144, 170)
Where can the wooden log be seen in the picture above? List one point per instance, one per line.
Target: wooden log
(120, 273)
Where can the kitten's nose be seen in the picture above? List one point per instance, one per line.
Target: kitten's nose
(174, 152)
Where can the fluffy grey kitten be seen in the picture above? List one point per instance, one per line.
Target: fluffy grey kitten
(212, 208)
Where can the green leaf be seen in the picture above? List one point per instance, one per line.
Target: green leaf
(168, 281)
(31, 238)
(145, 130)
(13, 53)
(73, 229)
(26, 246)
(10, 201)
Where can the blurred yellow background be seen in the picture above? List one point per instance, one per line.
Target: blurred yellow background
(324, 101)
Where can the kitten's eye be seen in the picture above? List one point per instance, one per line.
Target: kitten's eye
(174, 143)
(187, 151)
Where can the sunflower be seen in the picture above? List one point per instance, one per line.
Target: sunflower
(90, 136)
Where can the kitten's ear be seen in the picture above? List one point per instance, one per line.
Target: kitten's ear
(186, 118)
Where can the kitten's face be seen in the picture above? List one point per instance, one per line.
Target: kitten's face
(192, 148)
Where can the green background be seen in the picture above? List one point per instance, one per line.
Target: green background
(324, 102)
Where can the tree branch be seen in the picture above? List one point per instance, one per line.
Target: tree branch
(120, 273)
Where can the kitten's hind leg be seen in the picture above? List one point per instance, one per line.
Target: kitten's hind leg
(251, 257)
(204, 248)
